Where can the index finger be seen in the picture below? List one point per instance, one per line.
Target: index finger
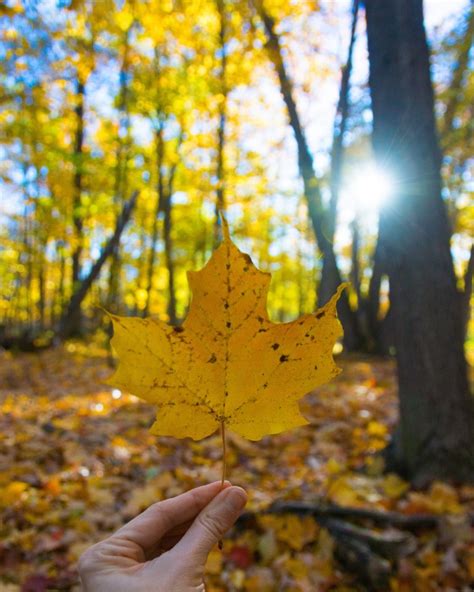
(148, 527)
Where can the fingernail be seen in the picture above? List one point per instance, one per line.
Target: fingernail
(236, 498)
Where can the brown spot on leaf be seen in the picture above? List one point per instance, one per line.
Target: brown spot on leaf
(320, 314)
(275, 346)
(283, 358)
(178, 329)
(212, 359)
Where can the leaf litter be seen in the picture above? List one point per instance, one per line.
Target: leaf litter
(77, 460)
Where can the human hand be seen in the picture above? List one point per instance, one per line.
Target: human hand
(165, 548)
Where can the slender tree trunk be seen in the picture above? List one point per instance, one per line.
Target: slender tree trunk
(168, 242)
(68, 326)
(142, 260)
(221, 131)
(436, 432)
(355, 268)
(372, 304)
(77, 183)
(317, 213)
(61, 294)
(77, 217)
(160, 198)
(121, 172)
(167, 236)
(340, 125)
(328, 279)
(27, 257)
(42, 287)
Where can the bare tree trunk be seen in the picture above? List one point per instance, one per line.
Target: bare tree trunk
(355, 268)
(77, 218)
(326, 286)
(27, 258)
(42, 287)
(167, 226)
(61, 292)
(160, 198)
(77, 183)
(317, 213)
(340, 125)
(142, 260)
(436, 432)
(220, 173)
(372, 304)
(68, 326)
(121, 171)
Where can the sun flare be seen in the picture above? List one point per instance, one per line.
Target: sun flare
(370, 188)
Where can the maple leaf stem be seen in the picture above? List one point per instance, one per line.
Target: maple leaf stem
(224, 453)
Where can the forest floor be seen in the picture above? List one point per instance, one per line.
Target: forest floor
(76, 461)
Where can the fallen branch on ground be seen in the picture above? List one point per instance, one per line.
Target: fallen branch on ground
(319, 510)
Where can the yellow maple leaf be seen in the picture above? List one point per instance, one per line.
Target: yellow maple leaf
(227, 364)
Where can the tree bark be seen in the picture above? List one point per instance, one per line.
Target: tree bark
(77, 217)
(77, 183)
(42, 267)
(68, 326)
(121, 170)
(168, 243)
(340, 125)
(160, 199)
(220, 173)
(318, 216)
(372, 304)
(436, 432)
(328, 279)
(355, 253)
(168, 239)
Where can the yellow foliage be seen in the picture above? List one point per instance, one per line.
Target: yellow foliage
(377, 429)
(12, 493)
(123, 19)
(228, 363)
(440, 499)
(214, 562)
(295, 531)
(393, 486)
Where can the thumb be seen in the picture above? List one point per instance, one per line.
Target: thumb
(212, 523)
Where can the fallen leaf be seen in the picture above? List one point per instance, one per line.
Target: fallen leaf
(393, 486)
(241, 556)
(13, 492)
